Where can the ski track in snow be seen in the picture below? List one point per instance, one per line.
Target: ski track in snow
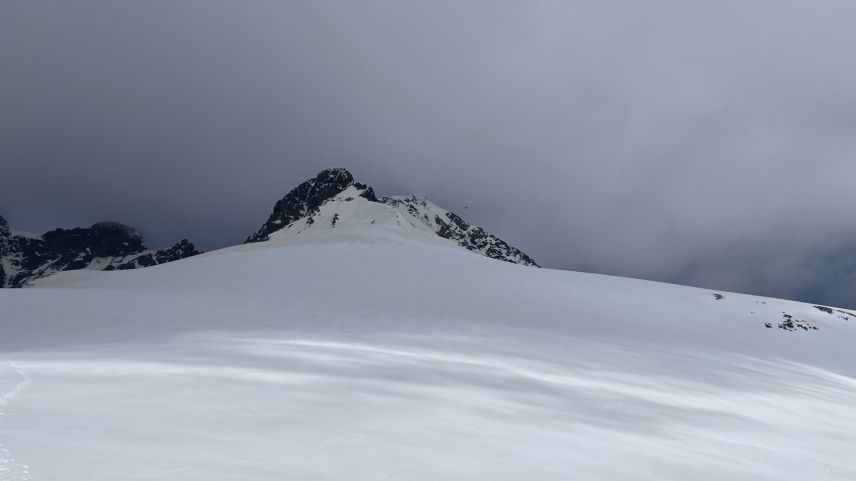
(11, 470)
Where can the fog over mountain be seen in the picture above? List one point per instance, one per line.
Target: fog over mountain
(706, 143)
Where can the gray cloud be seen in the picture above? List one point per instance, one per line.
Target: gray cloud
(709, 143)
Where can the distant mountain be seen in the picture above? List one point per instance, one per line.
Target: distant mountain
(104, 246)
(333, 189)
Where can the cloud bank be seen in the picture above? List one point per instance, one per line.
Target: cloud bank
(709, 143)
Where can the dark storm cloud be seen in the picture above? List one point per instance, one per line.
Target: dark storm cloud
(710, 143)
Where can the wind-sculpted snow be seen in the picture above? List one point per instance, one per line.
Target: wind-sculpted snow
(370, 407)
(375, 349)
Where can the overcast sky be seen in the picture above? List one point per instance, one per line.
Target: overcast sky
(709, 142)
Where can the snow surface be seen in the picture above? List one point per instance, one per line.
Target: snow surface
(379, 351)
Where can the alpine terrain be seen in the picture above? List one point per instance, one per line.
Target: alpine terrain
(104, 246)
(361, 337)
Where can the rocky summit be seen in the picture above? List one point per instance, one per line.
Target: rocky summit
(306, 198)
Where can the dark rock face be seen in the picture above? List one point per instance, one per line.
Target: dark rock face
(77, 248)
(477, 239)
(4, 231)
(180, 250)
(305, 199)
(104, 246)
(790, 323)
(5, 239)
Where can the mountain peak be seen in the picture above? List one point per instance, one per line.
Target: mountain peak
(333, 200)
(307, 198)
(335, 171)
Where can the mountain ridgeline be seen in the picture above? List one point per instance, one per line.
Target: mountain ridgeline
(104, 246)
(113, 246)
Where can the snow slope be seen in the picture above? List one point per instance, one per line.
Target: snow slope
(373, 349)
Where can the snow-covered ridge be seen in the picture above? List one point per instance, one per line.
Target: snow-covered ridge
(334, 199)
